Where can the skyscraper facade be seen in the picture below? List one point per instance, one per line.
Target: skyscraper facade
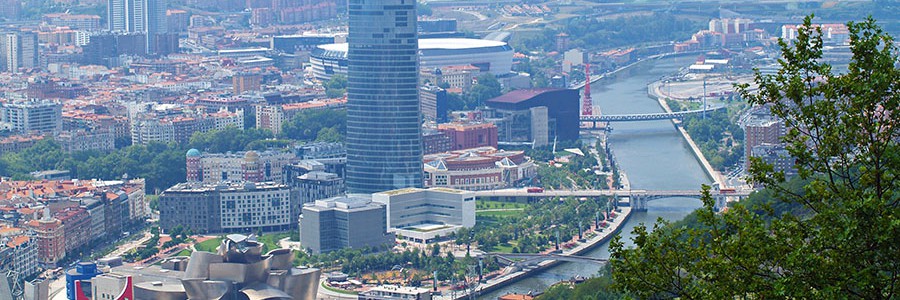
(384, 138)
(144, 16)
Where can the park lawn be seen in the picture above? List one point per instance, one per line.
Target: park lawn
(209, 245)
(504, 248)
(337, 290)
(184, 252)
(483, 204)
(270, 241)
(500, 213)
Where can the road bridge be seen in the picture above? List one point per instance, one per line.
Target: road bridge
(637, 199)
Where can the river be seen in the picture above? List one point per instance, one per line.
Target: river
(652, 154)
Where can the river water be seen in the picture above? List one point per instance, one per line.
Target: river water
(652, 154)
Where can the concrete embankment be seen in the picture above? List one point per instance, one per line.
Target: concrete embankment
(716, 176)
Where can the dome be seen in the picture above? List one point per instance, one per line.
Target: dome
(193, 153)
(251, 156)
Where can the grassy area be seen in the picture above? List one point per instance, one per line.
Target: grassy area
(185, 252)
(337, 290)
(209, 245)
(499, 213)
(270, 241)
(504, 248)
(484, 204)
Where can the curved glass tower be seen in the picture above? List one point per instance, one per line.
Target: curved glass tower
(384, 138)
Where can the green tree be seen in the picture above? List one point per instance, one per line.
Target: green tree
(306, 125)
(336, 86)
(842, 242)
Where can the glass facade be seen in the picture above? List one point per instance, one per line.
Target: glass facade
(384, 146)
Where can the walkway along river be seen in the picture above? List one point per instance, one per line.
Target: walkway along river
(653, 154)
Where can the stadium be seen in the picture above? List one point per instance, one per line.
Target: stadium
(490, 56)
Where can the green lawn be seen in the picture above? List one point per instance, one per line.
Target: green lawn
(270, 241)
(504, 248)
(483, 204)
(337, 290)
(209, 245)
(185, 252)
(499, 214)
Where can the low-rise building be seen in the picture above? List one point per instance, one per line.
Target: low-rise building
(395, 292)
(250, 166)
(470, 135)
(424, 215)
(477, 169)
(229, 207)
(82, 140)
(343, 222)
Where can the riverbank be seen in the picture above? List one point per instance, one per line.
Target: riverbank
(605, 234)
(653, 91)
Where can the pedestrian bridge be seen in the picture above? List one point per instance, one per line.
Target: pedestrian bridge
(604, 119)
(637, 199)
(524, 259)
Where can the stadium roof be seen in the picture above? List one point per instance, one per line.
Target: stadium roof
(433, 44)
(521, 95)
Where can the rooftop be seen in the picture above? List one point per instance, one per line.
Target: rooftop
(433, 44)
(521, 95)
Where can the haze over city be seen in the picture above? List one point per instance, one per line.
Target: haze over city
(448, 149)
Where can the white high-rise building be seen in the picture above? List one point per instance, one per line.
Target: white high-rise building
(146, 16)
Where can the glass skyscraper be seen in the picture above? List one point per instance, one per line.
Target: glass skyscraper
(384, 138)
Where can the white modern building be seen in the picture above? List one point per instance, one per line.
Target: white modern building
(42, 116)
(494, 57)
(423, 215)
(352, 221)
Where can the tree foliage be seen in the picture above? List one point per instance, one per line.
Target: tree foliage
(228, 139)
(596, 33)
(336, 87)
(309, 124)
(844, 239)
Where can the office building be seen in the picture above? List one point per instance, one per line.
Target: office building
(760, 128)
(40, 116)
(18, 50)
(424, 215)
(535, 116)
(343, 222)
(229, 207)
(434, 103)
(384, 135)
(143, 16)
